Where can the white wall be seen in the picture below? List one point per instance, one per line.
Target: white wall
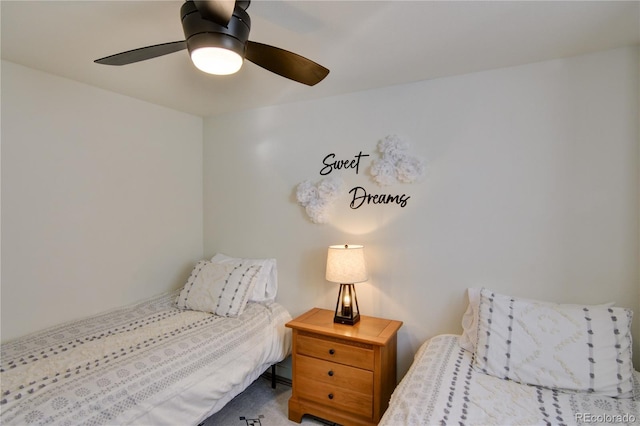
(101, 199)
(532, 190)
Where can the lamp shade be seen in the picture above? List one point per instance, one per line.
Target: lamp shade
(345, 264)
(216, 60)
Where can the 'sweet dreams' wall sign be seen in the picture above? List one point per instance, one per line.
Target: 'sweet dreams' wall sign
(394, 165)
(359, 194)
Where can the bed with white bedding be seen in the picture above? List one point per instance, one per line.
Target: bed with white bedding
(150, 363)
(522, 362)
(442, 387)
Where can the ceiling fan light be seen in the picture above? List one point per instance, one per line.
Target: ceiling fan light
(216, 60)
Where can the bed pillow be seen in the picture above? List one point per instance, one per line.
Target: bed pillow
(220, 288)
(266, 285)
(469, 338)
(557, 346)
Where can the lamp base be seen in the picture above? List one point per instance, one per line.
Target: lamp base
(346, 320)
(347, 310)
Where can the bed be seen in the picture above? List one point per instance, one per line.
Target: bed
(536, 378)
(156, 362)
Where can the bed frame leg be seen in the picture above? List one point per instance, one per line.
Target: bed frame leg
(273, 376)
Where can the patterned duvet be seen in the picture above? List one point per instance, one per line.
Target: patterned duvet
(441, 387)
(149, 363)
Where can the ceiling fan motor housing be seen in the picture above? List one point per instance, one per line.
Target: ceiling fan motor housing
(200, 32)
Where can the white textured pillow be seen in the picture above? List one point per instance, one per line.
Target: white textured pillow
(219, 288)
(266, 285)
(469, 338)
(558, 346)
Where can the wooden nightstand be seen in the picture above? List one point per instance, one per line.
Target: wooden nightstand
(342, 373)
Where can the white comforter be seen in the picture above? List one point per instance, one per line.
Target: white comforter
(149, 363)
(442, 388)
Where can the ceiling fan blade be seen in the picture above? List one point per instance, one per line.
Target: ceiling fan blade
(218, 11)
(286, 64)
(143, 53)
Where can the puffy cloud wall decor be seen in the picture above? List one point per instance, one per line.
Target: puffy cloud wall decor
(317, 199)
(396, 164)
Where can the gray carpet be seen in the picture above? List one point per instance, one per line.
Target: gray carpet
(259, 405)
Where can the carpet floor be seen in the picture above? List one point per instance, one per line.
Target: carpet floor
(260, 405)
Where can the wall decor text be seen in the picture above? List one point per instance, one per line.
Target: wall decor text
(394, 165)
(360, 195)
(340, 164)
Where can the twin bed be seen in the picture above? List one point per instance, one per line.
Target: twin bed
(173, 359)
(523, 362)
(442, 388)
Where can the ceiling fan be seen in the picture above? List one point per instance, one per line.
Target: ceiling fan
(217, 38)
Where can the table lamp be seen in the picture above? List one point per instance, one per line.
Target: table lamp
(346, 266)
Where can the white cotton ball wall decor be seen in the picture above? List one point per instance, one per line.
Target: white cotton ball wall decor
(393, 148)
(317, 212)
(329, 188)
(306, 192)
(317, 199)
(409, 169)
(396, 164)
(383, 171)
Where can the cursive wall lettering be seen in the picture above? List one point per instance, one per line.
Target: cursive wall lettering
(360, 195)
(340, 164)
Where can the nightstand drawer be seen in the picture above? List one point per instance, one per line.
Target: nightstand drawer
(338, 375)
(335, 397)
(336, 350)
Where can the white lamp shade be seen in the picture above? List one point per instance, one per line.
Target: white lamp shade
(346, 265)
(216, 60)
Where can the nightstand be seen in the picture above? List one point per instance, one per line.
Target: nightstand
(342, 373)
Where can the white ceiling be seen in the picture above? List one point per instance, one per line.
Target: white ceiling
(365, 44)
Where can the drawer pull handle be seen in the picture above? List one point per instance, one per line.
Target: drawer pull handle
(330, 396)
(331, 351)
(330, 373)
